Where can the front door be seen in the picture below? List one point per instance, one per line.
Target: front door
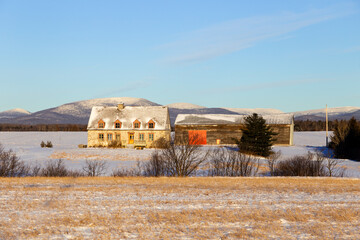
(131, 138)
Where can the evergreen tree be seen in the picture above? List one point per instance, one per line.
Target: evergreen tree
(349, 146)
(257, 137)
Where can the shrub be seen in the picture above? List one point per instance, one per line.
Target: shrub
(54, 168)
(309, 165)
(11, 165)
(133, 172)
(160, 143)
(115, 144)
(156, 167)
(49, 144)
(226, 162)
(272, 161)
(94, 168)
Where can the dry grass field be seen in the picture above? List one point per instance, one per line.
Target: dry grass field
(179, 208)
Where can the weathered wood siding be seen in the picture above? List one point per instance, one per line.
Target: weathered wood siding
(227, 132)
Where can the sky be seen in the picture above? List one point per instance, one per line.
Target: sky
(286, 55)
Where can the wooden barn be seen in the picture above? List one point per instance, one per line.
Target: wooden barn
(221, 129)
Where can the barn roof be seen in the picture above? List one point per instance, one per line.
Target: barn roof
(215, 119)
(129, 114)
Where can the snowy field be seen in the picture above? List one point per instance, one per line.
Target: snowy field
(179, 208)
(27, 146)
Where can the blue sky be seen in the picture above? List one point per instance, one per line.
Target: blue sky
(288, 55)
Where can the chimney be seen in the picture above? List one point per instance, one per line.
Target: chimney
(121, 106)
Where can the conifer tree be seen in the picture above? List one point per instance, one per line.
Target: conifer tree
(257, 137)
(349, 147)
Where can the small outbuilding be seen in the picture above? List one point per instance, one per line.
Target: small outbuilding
(129, 125)
(222, 129)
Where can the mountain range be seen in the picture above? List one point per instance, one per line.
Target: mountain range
(79, 112)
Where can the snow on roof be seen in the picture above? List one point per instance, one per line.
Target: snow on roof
(206, 119)
(127, 116)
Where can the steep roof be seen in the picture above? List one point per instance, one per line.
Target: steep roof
(127, 116)
(215, 119)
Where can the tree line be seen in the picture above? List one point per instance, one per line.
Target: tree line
(43, 127)
(308, 125)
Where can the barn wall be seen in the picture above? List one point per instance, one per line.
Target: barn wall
(227, 132)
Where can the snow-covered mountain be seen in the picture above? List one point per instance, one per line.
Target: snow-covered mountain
(13, 113)
(261, 111)
(333, 113)
(79, 112)
(184, 106)
(76, 112)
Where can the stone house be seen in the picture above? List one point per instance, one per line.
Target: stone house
(131, 126)
(221, 129)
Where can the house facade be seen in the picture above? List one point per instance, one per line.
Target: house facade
(132, 126)
(222, 129)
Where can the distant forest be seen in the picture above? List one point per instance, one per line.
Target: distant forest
(43, 128)
(315, 125)
(299, 126)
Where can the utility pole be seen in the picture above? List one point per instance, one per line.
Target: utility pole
(327, 126)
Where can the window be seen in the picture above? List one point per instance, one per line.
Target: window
(151, 137)
(109, 137)
(101, 124)
(136, 124)
(141, 137)
(117, 124)
(151, 124)
(101, 136)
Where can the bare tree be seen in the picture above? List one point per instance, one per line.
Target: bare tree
(156, 167)
(332, 165)
(94, 168)
(182, 159)
(272, 161)
(11, 165)
(226, 162)
(54, 168)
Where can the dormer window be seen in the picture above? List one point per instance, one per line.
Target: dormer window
(151, 124)
(136, 124)
(117, 124)
(101, 124)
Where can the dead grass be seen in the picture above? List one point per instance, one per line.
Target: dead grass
(178, 208)
(98, 156)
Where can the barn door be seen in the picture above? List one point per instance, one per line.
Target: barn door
(197, 137)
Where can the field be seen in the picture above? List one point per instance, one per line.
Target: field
(27, 146)
(179, 208)
(171, 208)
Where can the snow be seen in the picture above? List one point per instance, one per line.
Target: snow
(83, 107)
(261, 111)
(184, 106)
(331, 111)
(183, 119)
(127, 116)
(16, 112)
(27, 146)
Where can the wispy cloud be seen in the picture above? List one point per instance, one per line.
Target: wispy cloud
(134, 85)
(264, 85)
(352, 49)
(243, 33)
